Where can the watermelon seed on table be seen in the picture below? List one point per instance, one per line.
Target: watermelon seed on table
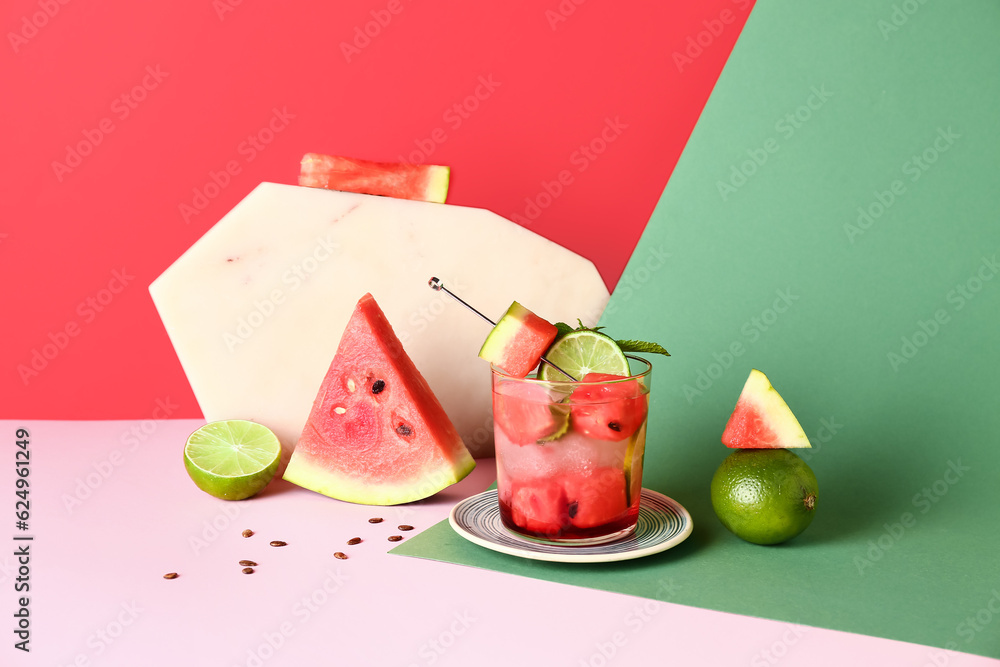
(248, 570)
(247, 533)
(340, 555)
(377, 519)
(395, 538)
(248, 563)
(405, 527)
(171, 575)
(279, 543)
(354, 540)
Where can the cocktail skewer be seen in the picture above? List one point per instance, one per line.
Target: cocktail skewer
(436, 284)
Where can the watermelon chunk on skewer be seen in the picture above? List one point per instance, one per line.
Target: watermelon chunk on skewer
(518, 341)
(762, 419)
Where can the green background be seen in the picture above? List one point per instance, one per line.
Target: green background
(881, 335)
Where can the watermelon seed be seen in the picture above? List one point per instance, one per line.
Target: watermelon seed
(378, 386)
(395, 538)
(247, 562)
(573, 508)
(279, 543)
(615, 426)
(247, 533)
(171, 575)
(248, 570)
(354, 540)
(377, 519)
(350, 385)
(340, 555)
(339, 410)
(405, 527)
(403, 429)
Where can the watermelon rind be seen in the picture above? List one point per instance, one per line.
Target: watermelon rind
(762, 419)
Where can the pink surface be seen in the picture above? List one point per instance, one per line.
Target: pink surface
(131, 128)
(112, 510)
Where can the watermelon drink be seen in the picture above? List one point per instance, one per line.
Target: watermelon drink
(569, 454)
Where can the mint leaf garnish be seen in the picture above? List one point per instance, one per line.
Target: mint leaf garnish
(642, 346)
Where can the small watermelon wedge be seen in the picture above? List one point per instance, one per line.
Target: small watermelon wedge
(518, 341)
(422, 182)
(376, 435)
(762, 419)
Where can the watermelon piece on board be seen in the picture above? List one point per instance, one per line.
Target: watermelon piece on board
(422, 182)
(518, 341)
(376, 435)
(762, 419)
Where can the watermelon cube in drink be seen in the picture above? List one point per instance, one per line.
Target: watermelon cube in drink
(569, 454)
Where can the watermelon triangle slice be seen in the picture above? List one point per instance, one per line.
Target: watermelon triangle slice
(762, 419)
(376, 435)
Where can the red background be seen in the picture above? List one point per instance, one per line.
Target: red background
(562, 70)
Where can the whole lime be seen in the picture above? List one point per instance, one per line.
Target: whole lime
(765, 496)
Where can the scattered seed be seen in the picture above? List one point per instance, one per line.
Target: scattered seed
(171, 575)
(377, 519)
(247, 533)
(248, 570)
(395, 538)
(354, 540)
(403, 429)
(341, 555)
(247, 563)
(378, 386)
(405, 527)
(279, 543)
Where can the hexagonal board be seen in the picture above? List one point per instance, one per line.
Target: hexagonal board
(256, 307)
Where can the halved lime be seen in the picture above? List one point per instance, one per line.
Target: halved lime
(232, 459)
(582, 352)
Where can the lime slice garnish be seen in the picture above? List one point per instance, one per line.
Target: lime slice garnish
(232, 459)
(582, 352)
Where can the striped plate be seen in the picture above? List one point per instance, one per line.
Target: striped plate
(663, 523)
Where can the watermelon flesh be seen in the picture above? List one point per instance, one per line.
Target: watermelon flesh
(762, 419)
(518, 341)
(422, 182)
(608, 411)
(527, 413)
(376, 435)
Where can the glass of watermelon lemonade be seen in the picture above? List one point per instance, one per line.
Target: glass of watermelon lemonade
(569, 455)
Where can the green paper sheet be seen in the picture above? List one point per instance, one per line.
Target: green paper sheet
(833, 222)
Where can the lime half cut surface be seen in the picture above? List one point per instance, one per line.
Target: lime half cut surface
(232, 459)
(582, 352)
